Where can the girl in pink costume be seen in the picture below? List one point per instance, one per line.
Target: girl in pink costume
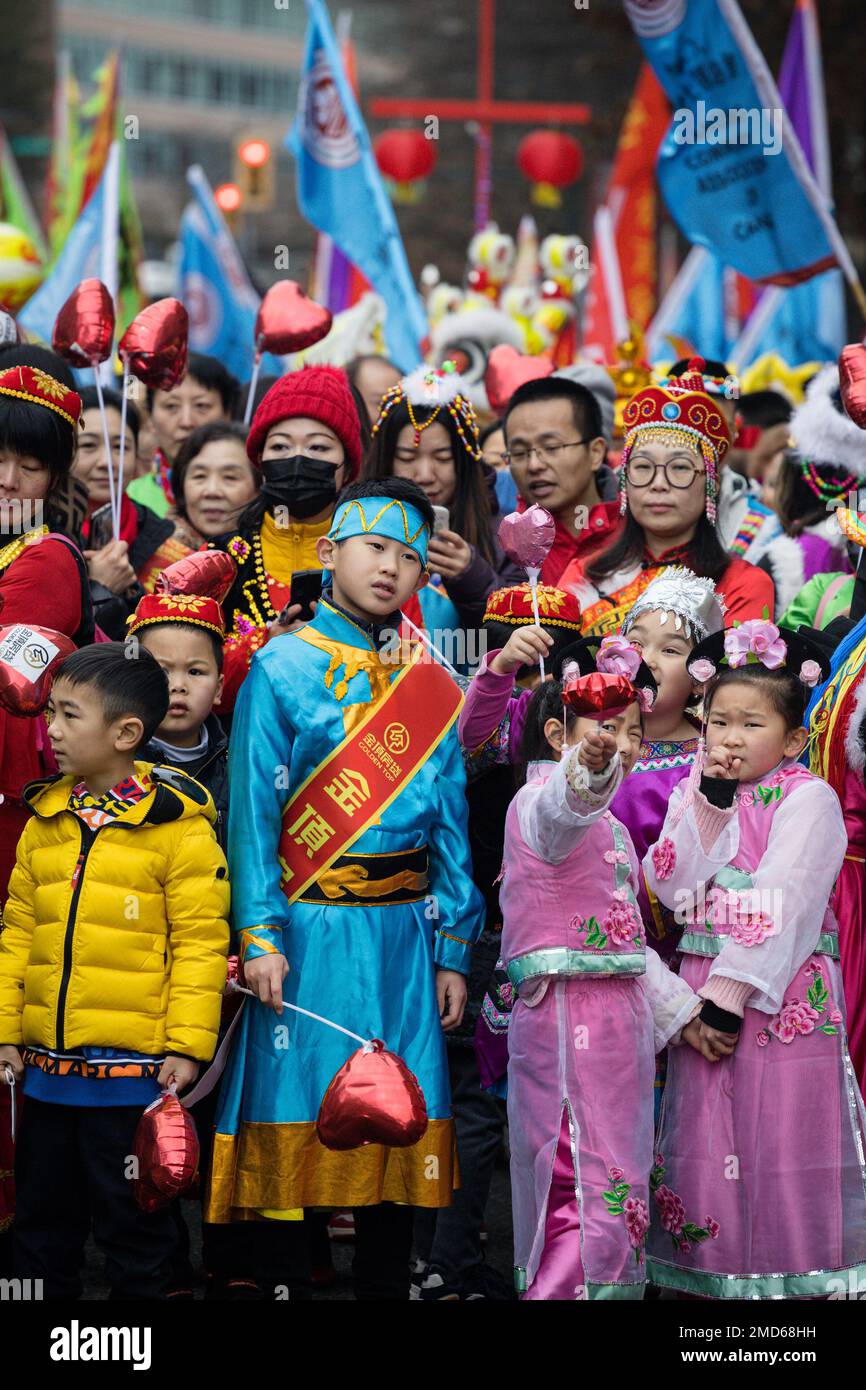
(758, 1182)
(593, 1004)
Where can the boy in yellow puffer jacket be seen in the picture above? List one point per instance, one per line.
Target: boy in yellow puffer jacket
(112, 966)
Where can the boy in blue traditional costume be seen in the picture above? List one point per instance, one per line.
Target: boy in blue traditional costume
(353, 894)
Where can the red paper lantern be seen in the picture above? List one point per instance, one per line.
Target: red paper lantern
(551, 160)
(406, 158)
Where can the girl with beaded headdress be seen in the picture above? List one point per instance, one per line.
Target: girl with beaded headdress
(676, 438)
(427, 431)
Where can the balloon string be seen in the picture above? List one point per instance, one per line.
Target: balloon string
(431, 647)
(115, 521)
(365, 1042)
(254, 381)
(533, 586)
(125, 395)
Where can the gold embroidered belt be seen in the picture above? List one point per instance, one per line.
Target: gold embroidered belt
(372, 880)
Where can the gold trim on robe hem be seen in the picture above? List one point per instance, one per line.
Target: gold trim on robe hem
(284, 1165)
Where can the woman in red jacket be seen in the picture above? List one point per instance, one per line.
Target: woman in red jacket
(676, 438)
(43, 580)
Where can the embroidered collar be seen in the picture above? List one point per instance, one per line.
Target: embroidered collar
(677, 555)
(377, 632)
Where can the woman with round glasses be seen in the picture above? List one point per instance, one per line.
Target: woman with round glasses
(676, 438)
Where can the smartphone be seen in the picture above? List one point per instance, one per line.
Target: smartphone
(101, 529)
(306, 590)
(442, 520)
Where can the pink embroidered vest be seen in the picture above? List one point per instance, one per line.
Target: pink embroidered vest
(578, 917)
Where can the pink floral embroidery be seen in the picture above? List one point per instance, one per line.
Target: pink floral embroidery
(672, 1213)
(506, 993)
(795, 1019)
(751, 929)
(615, 856)
(636, 1221)
(619, 1203)
(762, 1038)
(622, 923)
(835, 1016)
(664, 858)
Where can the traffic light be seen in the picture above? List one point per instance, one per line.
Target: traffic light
(254, 173)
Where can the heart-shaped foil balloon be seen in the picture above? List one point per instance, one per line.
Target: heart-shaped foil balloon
(852, 382)
(29, 656)
(154, 346)
(598, 696)
(166, 1152)
(507, 369)
(289, 321)
(84, 328)
(206, 573)
(373, 1099)
(526, 537)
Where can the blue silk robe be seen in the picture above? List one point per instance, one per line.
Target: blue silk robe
(370, 968)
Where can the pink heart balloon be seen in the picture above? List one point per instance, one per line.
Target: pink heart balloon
(507, 369)
(852, 382)
(526, 537)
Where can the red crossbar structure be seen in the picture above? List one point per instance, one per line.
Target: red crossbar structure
(484, 110)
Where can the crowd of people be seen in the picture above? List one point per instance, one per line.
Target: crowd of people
(589, 859)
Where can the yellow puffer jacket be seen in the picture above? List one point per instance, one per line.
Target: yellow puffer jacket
(130, 950)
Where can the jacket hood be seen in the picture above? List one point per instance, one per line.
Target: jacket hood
(174, 796)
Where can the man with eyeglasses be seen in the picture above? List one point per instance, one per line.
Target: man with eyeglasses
(556, 452)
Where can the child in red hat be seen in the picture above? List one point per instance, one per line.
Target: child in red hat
(305, 441)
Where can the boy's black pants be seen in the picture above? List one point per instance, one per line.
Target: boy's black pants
(71, 1167)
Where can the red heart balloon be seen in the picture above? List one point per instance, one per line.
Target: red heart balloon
(373, 1099)
(166, 1149)
(29, 655)
(599, 695)
(852, 382)
(289, 321)
(507, 369)
(84, 328)
(207, 573)
(154, 345)
(526, 537)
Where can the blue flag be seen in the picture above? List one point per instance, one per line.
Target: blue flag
(215, 288)
(730, 168)
(340, 189)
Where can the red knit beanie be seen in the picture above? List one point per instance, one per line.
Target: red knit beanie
(322, 393)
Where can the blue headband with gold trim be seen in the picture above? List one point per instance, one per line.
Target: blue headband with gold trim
(382, 516)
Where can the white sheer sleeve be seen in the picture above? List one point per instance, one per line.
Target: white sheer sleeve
(679, 864)
(555, 815)
(671, 1000)
(782, 914)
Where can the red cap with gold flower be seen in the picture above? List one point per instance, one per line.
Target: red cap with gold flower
(31, 384)
(513, 606)
(192, 609)
(678, 412)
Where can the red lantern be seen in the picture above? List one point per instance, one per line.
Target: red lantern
(551, 160)
(406, 158)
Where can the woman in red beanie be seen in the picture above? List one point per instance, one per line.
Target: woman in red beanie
(305, 442)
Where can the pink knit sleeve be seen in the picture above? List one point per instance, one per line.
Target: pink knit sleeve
(730, 995)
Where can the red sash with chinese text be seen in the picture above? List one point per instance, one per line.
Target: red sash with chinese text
(348, 792)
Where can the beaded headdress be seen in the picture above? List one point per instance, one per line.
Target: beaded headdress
(688, 599)
(382, 516)
(436, 389)
(679, 412)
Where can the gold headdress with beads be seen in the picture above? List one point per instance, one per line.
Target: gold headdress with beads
(436, 389)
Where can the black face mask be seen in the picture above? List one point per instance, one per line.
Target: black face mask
(305, 486)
